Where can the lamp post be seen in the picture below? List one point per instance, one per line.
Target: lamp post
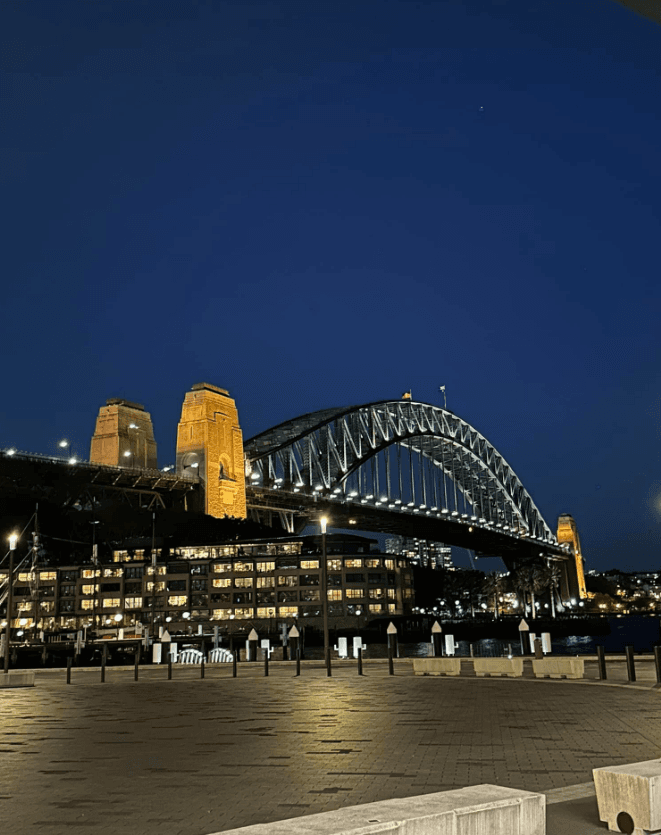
(13, 539)
(324, 593)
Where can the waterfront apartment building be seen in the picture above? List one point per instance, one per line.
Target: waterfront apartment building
(266, 583)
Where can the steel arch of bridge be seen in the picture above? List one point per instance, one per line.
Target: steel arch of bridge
(347, 453)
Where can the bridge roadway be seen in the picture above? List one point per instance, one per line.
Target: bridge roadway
(453, 530)
(193, 757)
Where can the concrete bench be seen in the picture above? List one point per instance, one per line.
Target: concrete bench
(558, 667)
(512, 667)
(22, 679)
(474, 810)
(436, 666)
(629, 795)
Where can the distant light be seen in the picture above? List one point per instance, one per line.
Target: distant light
(455, 513)
(167, 469)
(352, 521)
(23, 621)
(195, 465)
(127, 453)
(470, 530)
(13, 539)
(255, 476)
(323, 521)
(73, 460)
(337, 490)
(167, 620)
(118, 617)
(319, 487)
(186, 615)
(11, 451)
(133, 425)
(63, 444)
(353, 493)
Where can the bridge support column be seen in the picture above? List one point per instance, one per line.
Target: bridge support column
(210, 444)
(123, 427)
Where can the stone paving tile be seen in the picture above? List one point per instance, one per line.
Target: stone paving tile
(162, 757)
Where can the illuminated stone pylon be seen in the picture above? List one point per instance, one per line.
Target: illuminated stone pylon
(124, 427)
(568, 532)
(210, 442)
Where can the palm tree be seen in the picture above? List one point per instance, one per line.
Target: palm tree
(553, 575)
(492, 587)
(529, 579)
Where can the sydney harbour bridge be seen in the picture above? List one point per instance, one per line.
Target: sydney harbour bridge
(393, 466)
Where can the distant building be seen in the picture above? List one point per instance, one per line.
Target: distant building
(421, 552)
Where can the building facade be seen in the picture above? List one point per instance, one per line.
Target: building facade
(421, 552)
(263, 583)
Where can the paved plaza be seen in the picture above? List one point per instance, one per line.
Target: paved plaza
(193, 756)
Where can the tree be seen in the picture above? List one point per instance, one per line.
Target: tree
(492, 587)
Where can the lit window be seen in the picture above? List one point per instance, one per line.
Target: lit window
(309, 563)
(222, 584)
(288, 580)
(48, 575)
(46, 606)
(265, 566)
(354, 594)
(222, 567)
(353, 563)
(108, 602)
(220, 614)
(392, 608)
(89, 573)
(377, 594)
(133, 602)
(390, 564)
(23, 606)
(243, 566)
(89, 589)
(177, 600)
(265, 582)
(334, 565)
(392, 594)
(112, 572)
(156, 586)
(266, 611)
(86, 604)
(376, 607)
(243, 613)
(288, 611)
(243, 582)
(373, 563)
(334, 594)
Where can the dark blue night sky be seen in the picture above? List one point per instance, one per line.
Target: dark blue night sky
(315, 204)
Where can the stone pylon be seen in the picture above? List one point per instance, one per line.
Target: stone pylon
(124, 427)
(568, 532)
(210, 443)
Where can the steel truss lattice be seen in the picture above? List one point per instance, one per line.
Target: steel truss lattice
(399, 454)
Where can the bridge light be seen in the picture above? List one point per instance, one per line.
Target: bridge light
(73, 461)
(398, 501)
(337, 490)
(319, 487)
(11, 451)
(353, 493)
(455, 513)
(279, 480)
(423, 506)
(416, 510)
(297, 489)
(167, 469)
(410, 504)
(434, 508)
(370, 496)
(363, 501)
(474, 518)
(255, 476)
(445, 510)
(194, 465)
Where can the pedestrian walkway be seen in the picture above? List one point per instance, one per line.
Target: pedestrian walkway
(200, 756)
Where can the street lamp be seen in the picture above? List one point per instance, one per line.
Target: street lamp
(324, 593)
(13, 539)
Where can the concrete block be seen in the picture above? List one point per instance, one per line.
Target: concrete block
(436, 666)
(512, 667)
(19, 679)
(558, 667)
(474, 810)
(629, 794)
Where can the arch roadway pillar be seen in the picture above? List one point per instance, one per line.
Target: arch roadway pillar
(124, 427)
(210, 442)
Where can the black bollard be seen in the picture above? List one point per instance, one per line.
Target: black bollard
(657, 664)
(137, 664)
(328, 662)
(298, 660)
(169, 669)
(437, 644)
(69, 662)
(104, 657)
(266, 662)
(601, 662)
(234, 657)
(202, 667)
(285, 653)
(360, 661)
(631, 669)
(392, 645)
